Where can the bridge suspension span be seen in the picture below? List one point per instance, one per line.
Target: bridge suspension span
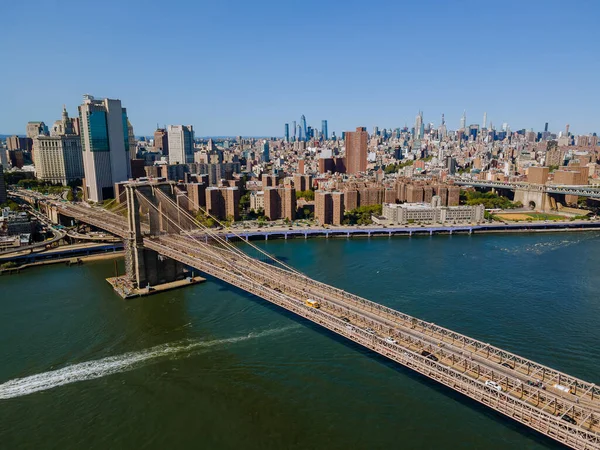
(556, 404)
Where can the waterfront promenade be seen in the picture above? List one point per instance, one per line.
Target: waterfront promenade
(285, 232)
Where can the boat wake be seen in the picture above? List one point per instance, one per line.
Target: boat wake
(90, 370)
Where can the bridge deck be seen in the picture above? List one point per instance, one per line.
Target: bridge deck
(538, 408)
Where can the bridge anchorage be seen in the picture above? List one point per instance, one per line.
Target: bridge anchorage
(146, 270)
(159, 228)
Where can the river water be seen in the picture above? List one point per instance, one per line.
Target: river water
(211, 367)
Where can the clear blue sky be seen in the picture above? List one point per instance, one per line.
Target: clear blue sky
(247, 67)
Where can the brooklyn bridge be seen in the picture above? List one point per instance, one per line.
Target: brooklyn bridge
(163, 241)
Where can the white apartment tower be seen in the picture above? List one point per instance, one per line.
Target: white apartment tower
(105, 145)
(181, 144)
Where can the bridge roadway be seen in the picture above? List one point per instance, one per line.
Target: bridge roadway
(579, 190)
(461, 363)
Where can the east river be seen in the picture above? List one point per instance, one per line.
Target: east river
(210, 367)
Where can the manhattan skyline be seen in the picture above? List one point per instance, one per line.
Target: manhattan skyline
(250, 65)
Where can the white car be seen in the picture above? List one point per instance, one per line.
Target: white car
(370, 330)
(493, 385)
(390, 340)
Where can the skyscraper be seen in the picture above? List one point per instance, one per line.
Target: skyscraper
(442, 129)
(131, 138)
(484, 120)
(287, 132)
(419, 126)
(324, 131)
(105, 145)
(546, 127)
(161, 141)
(58, 158)
(303, 129)
(463, 121)
(356, 150)
(181, 144)
(451, 165)
(35, 129)
(265, 157)
(294, 129)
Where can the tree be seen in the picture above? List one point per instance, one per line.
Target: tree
(490, 200)
(28, 183)
(244, 201)
(205, 220)
(361, 215)
(306, 195)
(229, 220)
(393, 168)
(390, 168)
(10, 204)
(307, 213)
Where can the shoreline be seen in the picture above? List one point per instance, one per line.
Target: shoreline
(69, 261)
(343, 233)
(366, 231)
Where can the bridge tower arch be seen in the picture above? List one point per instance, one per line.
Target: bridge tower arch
(145, 267)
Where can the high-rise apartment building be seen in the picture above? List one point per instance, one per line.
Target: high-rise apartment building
(453, 195)
(15, 157)
(302, 182)
(181, 144)
(329, 207)
(161, 141)
(105, 145)
(356, 150)
(538, 175)
(272, 203)
(337, 205)
(196, 193)
(18, 143)
(269, 180)
(58, 158)
(280, 202)
(414, 194)
(323, 207)
(223, 202)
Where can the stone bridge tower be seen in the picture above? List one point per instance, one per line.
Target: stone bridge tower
(146, 267)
